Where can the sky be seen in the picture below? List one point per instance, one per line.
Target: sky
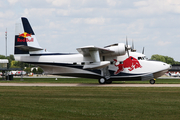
(64, 25)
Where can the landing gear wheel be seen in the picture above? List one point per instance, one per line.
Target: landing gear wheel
(152, 81)
(108, 81)
(102, 81)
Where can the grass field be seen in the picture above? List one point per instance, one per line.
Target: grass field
(84, 80)
(87, 103)
(79, 103)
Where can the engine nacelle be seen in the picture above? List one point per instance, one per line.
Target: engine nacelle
(119, 49)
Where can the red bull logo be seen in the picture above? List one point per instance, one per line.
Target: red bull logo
(25, 34)
(131, 63)
(25, 37)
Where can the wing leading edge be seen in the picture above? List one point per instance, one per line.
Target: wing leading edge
(85, 50)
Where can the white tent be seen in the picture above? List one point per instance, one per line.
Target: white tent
(3, 63)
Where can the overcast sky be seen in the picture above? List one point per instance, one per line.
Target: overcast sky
(64, 25)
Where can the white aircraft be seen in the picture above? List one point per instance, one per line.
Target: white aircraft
(17, 73)
(116, 62)
(175, 74)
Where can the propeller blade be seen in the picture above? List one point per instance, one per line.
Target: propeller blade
(126, 47)
(143, 51)
(128, 53)
(132, 45)
(126, 42)
(132, 48)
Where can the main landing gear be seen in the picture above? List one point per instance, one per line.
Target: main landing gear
(152, 81)
(104, 80)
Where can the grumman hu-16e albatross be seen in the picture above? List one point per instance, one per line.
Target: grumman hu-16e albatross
(116, 62)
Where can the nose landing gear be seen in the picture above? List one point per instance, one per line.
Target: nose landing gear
(152, 81)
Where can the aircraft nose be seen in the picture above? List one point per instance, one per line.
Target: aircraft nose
(168, 66)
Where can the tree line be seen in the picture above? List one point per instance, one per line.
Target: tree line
(166, 59)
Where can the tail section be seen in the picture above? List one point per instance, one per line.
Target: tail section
(25, 40)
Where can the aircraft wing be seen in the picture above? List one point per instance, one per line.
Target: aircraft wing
(87, 49)
(95, 52)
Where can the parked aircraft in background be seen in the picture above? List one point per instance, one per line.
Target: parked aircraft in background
(116, 62)
(17, 73)
(174, 74)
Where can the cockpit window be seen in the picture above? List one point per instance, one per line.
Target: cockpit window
(145, 58)
(139, 58)
(142, 58)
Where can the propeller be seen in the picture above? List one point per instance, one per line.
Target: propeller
(127, 48)
(132, 45)
(143, 51)
(132, 48)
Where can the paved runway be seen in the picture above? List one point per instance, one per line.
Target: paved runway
(88, 85)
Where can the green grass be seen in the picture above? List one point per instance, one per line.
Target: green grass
(87, 103)
(50, 80)
(84, 80)
(158, 81)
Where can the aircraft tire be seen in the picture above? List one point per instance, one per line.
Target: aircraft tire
(152, 81)
(102, 81)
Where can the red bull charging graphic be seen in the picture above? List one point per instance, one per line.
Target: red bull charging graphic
(25, 37)
(131, 63)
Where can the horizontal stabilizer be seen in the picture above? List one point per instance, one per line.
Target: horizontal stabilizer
(27, 48)
(97, 65)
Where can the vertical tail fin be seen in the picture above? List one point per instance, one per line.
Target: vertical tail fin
(25, 40)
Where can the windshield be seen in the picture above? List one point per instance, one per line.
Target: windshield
(142, 58)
